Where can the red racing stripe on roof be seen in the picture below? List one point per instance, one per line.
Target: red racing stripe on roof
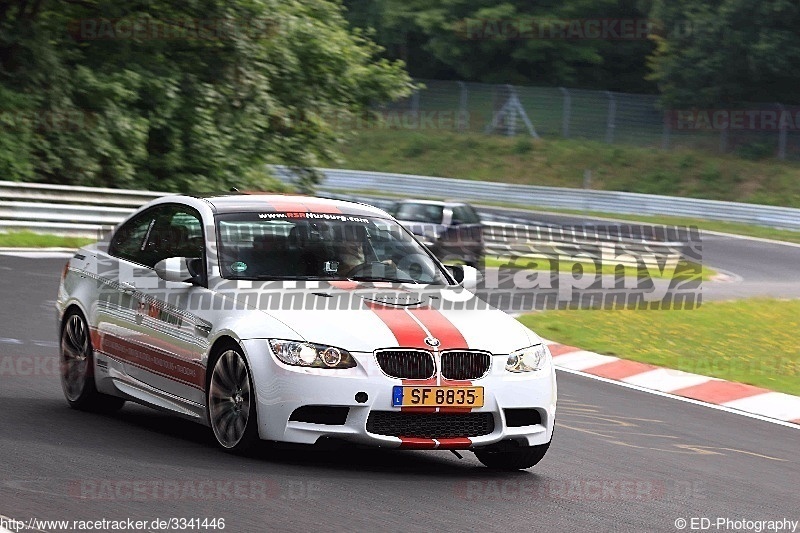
(302, 205)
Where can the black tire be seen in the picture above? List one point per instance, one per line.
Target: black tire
(524, 457)
(231, 402)
(76, 367)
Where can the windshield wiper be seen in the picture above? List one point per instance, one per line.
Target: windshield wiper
(379, 278)
(268, 277)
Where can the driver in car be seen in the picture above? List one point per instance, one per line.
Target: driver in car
(350, 255)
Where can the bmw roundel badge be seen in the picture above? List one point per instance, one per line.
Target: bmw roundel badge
(433, 342)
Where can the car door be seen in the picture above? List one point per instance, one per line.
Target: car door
(473, 230)
(118, 302)
(464, 233)
(158, 338)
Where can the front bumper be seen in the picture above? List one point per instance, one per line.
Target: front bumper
(281, 389)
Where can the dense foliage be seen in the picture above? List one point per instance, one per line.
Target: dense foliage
(726, 52)
(512, 41)
(198, 95)
(704, 53)
(185, 96)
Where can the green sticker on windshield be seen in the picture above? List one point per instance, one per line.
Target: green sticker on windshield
(238, 266)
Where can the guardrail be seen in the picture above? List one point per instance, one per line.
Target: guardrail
(66, 210)
(88, 212)
(501, 238)
(512, 236)
(406, 185)
(44, 192)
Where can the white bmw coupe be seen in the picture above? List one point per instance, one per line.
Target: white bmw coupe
(300, 319)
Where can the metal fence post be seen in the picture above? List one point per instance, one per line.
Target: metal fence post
(415, 105)
(567, 112)
(667, 132)
(610, 122)
(511, 117)
(723, 140)
(463, 120)
(781, 134)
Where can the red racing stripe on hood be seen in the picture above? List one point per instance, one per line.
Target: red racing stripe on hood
(408, 334)
(441, 328)
(450, 338)
(344, 285)
(405, 330)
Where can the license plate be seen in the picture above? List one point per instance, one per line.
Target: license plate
(466, 397)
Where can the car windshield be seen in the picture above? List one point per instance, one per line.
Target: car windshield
(320, 246)
(419, 212)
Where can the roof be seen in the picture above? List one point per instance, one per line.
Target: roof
(284, 203)
(432, 202)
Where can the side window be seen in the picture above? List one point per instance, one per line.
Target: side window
(186, 231)
(177, 232)
(162, 232)
(458, 214)
(464, 214)
(129, 240)
(471, 216)
(412, 212)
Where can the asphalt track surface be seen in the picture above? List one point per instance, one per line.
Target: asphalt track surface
(621, 460)
(750, 267)
(753, 267)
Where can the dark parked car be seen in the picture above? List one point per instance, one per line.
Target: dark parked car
(451, 230)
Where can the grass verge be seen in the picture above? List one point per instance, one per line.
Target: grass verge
(562, 162)
(749, 341)
(29, 239)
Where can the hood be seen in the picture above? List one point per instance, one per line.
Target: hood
(366, 317)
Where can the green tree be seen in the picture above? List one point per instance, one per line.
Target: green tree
(724, 52)
(465, 39)
(190, 96)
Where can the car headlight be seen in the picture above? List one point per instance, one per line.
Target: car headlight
(311, 355)
(528, 359)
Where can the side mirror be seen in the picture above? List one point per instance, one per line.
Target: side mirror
(467, 276)
(180, 269)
